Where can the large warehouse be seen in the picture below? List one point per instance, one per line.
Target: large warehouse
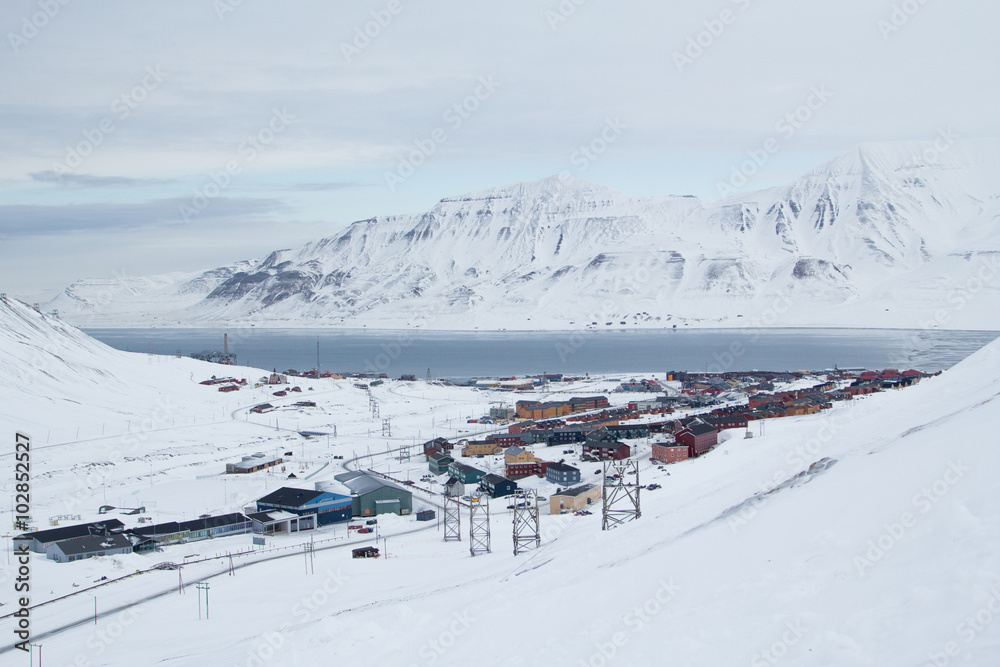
(371, 495)
(328, 507)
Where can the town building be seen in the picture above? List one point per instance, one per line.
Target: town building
(576, 498)
(697, 436)
(669, 451)
(439, 462)
(79, 548)
(328, 507)
(255, 463)
(39, 540)
(480, 448)
(372, 495)
(280, 522)
(466, 474)
(720, 422)
(498, 486)
(604, 446)
(562, 474)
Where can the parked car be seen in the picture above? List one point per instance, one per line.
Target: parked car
(371, 522)
(366, 529)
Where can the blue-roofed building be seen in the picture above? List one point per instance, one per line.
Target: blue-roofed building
(328, 507)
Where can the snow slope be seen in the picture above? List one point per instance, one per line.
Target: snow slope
(884, 235)
(865, 536)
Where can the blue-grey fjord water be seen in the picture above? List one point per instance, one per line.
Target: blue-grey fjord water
(469, 354)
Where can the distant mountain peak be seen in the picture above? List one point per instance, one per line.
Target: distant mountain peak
(558, 185)
(882, 228)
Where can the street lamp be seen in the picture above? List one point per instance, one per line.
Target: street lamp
(95, 607)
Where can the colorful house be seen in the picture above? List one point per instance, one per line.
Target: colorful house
(669, 451)
(466, 474)
(698, 437)
(439, 462)
(577, 498)
(498, 486)
(480, 448)
(562, 474)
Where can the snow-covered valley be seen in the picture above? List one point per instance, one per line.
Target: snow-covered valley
(866, 535)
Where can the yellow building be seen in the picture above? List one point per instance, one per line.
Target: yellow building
(515, 455)
(577, 498)
(480, 448)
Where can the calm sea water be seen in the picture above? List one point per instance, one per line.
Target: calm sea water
(468, 354)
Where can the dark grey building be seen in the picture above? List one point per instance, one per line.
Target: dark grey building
(498, 486)
(39, 540)
(78, 548)
(562, 474)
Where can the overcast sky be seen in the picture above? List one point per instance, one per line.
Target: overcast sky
(114, 116)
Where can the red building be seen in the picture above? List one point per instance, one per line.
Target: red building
(605, 451)
(519, 427)
(581, 403)
(509, 439)
(437, 445)
(724, 421)
(519, 470)
(698, 436)
(669, 452)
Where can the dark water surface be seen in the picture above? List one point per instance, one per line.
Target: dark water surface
(467, 354)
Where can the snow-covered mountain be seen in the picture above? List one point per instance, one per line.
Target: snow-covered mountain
(885, 235)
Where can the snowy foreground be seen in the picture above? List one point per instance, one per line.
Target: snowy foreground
(886, 554)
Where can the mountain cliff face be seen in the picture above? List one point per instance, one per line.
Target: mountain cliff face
(877, 237)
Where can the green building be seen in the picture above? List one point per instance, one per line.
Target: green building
(372, 495)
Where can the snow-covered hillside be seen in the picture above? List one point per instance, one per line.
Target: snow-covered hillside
(867, 535)
(885, 235)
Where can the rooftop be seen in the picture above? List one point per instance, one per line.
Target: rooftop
(93, 544)
(68, 532)
(575, 491)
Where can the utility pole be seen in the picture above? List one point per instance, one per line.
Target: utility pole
(452, 519)
(479, 524)
(620, 493)
(526, 532)
(202, 586)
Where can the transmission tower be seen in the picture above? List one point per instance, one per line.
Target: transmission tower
(386, 429)
(404, 453)
(527, 536)
(452, 519)
(479, 523)
(620, 493)
(373, 404)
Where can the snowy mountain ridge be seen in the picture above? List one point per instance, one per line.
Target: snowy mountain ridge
(880, 236)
